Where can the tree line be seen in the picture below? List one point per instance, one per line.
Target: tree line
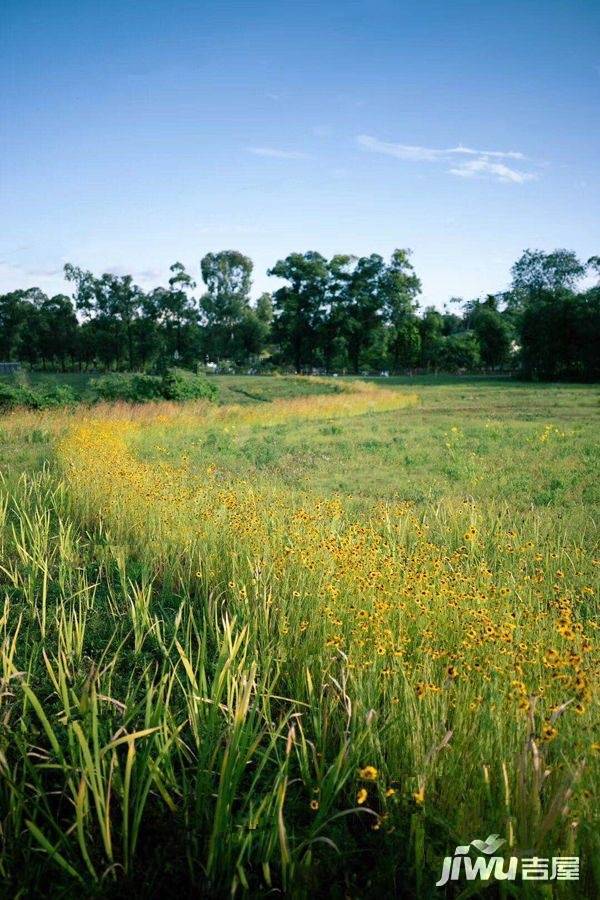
(344, 314)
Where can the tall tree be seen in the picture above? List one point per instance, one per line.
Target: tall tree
(333, 338)
(363, 305)
(264, 309)
(554, 321)
(402, 287)
(492, 329)
(13, 312)
(228, 277)
(175, 310)
(432, 338)
(537, 272)
(299, 306)
(58, 331)
(560, 334)
(259, 323)
(115, 300)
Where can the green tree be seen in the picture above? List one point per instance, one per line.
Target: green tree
(492, 329)
(150, 338)
(28, 339)
(557, 325)
(264, 309)
(174, 312)
(299, 306)
(256, 327)
(58, 331)
(432, 338)
(404, 343)
(402, 287)
(332, 338)
(360, 302)
(560, 335)
(452, 323)
(226, 304)
(115, 300)
(536, 272)
(13, 312)
(459, 352)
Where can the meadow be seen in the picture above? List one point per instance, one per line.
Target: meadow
(304, 641)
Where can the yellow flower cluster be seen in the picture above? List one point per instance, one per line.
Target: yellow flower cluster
(419, 604)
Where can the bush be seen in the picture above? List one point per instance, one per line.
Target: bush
(12, 395)
(175, 384)
(127, 387)
(55, 395)
(44, 396)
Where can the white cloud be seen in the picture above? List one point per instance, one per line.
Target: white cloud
(498, 154)
(400, 151)
(481, 164)
(481, 167)
(275, 153)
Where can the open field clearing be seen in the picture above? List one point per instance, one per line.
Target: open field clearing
(299, 644)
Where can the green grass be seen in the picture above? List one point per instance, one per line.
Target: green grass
(266, 388)
(539, 444)
(209, 626)
(25, 450)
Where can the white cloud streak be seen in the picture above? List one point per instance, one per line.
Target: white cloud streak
(475, 163)
(480, 167)
(275, 153)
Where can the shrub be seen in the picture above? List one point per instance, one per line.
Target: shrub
(11, 395)
(43, 396)
(55, 395)
(175, 384)
(127, 387)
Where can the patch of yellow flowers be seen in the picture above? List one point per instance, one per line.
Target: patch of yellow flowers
(456, 606)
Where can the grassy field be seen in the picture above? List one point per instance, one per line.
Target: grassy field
(308, 640)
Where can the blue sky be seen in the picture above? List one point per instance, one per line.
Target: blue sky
(138, 133)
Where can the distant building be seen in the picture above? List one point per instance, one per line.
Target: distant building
(7, 368)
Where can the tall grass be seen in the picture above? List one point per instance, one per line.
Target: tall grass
(230, 688)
